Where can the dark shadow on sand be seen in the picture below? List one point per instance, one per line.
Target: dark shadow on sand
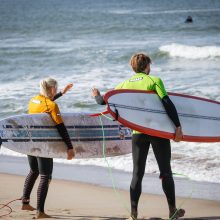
(115, 218)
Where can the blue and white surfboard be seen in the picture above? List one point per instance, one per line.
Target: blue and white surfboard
(36, 134)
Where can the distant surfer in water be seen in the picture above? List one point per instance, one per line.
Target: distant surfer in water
(44, 102)
(189, 19)
(141, 80)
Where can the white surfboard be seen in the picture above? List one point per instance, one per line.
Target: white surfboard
(35, 134)
(143, 111)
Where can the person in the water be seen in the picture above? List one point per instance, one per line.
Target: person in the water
(189, 19)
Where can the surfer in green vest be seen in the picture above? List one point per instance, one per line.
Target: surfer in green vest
(141, 80)
(44, 102)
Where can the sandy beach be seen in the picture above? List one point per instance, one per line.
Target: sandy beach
(75, 200)
(89, 43)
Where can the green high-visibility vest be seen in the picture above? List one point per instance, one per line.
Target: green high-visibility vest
(142, 81)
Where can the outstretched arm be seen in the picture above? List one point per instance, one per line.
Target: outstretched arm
(62, 92)
(58, 95)
(99, 99)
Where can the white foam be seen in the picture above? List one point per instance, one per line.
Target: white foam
(7, 152)
(197, 161)
(181, 11)
(165, 11)
(191, 52)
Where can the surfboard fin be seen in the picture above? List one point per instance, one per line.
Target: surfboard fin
(116, 114)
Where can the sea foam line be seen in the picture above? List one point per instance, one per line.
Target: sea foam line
(191, 52)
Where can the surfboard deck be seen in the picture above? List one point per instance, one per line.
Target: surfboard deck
(143, 111)
(35, 134)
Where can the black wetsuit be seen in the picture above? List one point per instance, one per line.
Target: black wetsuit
(43, 166)
(162, 151)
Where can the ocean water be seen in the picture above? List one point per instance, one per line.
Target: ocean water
(90, 42)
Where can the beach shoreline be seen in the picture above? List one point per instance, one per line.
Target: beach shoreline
(89, 44)
(92, 192)
(109, 177)
(76, 200)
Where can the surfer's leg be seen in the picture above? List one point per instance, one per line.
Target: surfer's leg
(42, 191)
(162, 151)
(45, 169)
(29, 183)
(140, 148)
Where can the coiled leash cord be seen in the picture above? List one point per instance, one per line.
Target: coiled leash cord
(7, 206)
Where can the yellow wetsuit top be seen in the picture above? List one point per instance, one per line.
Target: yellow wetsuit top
(42, 104)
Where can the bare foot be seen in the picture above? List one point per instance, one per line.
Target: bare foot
(177, 213)
(41, 215)
(27, 207)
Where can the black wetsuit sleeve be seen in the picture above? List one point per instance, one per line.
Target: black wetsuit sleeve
(99, 100)
(64, 134)
(171, 110)
(58, 95)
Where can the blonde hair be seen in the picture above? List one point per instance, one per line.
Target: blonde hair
(139, 62)
(46, 85)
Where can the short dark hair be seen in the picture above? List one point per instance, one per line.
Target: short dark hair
(139, 62)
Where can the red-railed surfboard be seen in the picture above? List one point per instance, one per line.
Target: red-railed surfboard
(143, 111)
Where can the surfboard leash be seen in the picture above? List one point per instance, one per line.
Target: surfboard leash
(109, 167)
(116, 114)
(113, 181)
(106, 117)
(7, 206)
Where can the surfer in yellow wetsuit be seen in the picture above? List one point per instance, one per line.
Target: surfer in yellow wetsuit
(141, 80)
(44, 102)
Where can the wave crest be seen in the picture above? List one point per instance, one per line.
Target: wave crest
(191, 52)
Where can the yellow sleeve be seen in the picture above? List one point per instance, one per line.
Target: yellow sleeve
(160, 88)
(119, 86)
(55, 114)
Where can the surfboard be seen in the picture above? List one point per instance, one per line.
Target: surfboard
(143, 111)
(35, 134)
